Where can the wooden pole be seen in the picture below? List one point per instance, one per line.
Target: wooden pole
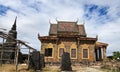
(28, 58)
(2, 51)
(17, 57)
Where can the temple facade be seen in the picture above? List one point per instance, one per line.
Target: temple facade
(67, 36)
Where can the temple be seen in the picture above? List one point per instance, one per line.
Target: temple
(71, 37)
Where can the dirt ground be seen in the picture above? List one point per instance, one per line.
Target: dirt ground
(75, 69)
(23, 68)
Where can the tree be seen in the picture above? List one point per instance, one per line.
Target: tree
(116, 55)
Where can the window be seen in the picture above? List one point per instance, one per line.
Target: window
(48, 52)
(73, 53)
(85, 53)
(61, 51)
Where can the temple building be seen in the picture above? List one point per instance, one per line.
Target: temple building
(71, 37)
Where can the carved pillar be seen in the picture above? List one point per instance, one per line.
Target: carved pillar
(104, 53)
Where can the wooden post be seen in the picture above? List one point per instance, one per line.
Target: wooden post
(17, 57)
(2, 51)
(28, 58)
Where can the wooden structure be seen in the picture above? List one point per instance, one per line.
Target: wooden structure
(71, 37)
(10, 47)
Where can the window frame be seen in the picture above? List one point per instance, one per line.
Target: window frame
(83, 53)
(59, 52)
(49, 45)
(71, 53)
(47, 51)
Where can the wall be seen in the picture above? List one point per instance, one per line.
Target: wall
(67, 43)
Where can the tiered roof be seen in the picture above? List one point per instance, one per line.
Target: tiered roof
(67, 27)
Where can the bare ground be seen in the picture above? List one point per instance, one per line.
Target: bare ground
(75, 69)
(23, 68)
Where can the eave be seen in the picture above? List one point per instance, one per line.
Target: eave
(100, 44)
(47, 38)
(88, 38)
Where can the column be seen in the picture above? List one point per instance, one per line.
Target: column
(104, 53)
(100, 56)
(96, 54)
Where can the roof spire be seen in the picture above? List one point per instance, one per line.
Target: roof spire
(97, 37)
(49, 21)
(38, 35)
(14, 25)
(77, 20)
(56, 19)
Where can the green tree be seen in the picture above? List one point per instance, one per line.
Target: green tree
(116, 55)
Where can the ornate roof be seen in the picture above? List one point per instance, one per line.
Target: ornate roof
(81, 30)
(67, 27)
(53, 29)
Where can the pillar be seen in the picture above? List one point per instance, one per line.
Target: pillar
(104, 53)
(100, 56)
(96, 54)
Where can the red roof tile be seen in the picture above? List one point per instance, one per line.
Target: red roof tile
(67, 26)
(64, 27)
(53, 29)
(81, 30)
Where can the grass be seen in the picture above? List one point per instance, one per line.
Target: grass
(23, 68)
(7, 68)
(12, 68)
(51, 69)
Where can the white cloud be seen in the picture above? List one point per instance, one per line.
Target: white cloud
(34, 15)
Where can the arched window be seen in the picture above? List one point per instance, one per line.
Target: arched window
(85, 51)
(73, 51)
(61, 50)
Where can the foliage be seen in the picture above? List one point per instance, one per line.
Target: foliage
(116, 55)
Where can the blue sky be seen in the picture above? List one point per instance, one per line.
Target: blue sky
(101, 17)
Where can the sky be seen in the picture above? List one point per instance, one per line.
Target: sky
(100, 17)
